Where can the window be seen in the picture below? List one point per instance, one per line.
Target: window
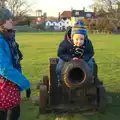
(38, 19)
(77, 13)
(88, 15)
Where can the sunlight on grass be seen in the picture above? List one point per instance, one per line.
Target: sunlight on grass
(37, 48)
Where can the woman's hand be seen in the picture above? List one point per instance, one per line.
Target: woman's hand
(28, 93)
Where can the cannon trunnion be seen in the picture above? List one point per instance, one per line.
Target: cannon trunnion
(78, 92)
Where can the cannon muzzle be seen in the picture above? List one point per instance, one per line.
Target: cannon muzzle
(76, 74)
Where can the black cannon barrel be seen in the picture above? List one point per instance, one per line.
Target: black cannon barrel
(76, 74)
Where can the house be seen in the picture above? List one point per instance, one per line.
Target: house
(65, 15)
(62, 24)
(67, 23)
(78, 13)
(50, 23)
(74, 15)
(54, 23)
(51, 18)
(89, 15)
(39, 20)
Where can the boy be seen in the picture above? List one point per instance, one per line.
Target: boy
(76, 47)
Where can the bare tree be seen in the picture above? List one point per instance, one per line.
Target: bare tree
(2, 3)
(106, 5)
(18, 7)
(111, 9)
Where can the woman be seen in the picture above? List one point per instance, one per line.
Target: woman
(12, 82)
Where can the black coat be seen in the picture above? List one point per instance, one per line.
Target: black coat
(65, 50)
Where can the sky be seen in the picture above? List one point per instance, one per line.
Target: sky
(52, 7)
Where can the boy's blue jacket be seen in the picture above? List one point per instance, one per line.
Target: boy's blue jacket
(6, 68)
(66, 47)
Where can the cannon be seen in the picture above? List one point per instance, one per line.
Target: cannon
(79, 90)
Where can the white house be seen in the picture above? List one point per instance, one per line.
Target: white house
(52, 23)
(64, 23)
(67, 23)
(59, 25)
(48, 23)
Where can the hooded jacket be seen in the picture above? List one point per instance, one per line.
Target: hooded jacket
(65, 50)
(6, 67)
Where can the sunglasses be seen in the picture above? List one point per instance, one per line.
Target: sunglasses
(10, 30)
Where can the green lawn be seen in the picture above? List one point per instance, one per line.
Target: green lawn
(38, 47)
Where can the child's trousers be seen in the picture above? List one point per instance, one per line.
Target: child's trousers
(14, 114)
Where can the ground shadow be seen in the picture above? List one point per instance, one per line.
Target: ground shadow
(112, 113)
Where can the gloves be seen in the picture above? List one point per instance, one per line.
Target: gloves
(78, 51)
(28, 93)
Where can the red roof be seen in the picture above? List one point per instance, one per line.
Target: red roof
(66, 14)
(51, 18)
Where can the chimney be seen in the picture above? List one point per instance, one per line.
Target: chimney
(95, 10)
(84, 9)
(59, 16)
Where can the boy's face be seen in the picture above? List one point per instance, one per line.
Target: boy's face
(78, 39)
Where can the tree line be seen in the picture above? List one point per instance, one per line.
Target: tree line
(107, 14)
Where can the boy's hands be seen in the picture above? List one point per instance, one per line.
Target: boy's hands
(75, 58)
(78, 52)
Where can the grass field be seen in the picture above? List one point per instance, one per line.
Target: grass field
(38, 47)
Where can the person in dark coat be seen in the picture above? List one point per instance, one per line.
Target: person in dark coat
(75, 46)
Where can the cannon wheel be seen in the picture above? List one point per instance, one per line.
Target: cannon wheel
(43, 99)
(102, 105)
